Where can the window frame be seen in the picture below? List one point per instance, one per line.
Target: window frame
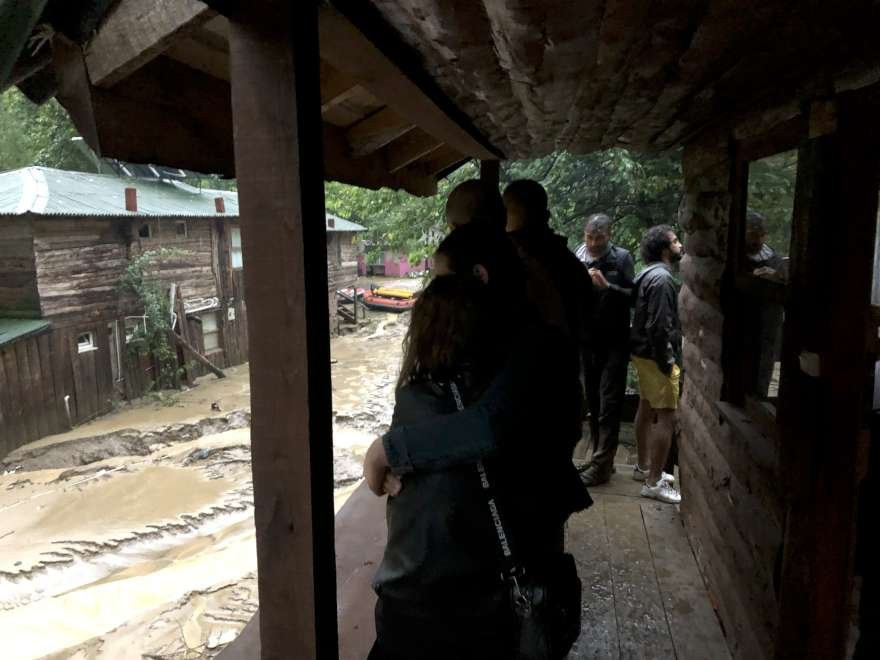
(215, 314)
(235, 231)
(742, 291)
(86, 346)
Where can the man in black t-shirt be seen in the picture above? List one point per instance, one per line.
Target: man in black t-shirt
(606, 357)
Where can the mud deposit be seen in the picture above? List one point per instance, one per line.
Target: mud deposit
(133, 537)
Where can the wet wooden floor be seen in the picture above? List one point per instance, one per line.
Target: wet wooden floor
(643, 593)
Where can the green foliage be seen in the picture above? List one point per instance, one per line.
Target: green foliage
(140, 278)
(38, 135)
(396, 220)
(771, 193)
(636, 190)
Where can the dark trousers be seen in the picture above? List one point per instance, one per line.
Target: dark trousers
(605, 384)
(404, 632)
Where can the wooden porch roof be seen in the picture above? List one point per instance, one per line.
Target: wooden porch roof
(411, 88)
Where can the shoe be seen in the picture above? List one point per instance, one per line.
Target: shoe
(662, 492)
(591, 477)
(639, 475)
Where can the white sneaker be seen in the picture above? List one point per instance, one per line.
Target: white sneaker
(662, 492)
(639, 475)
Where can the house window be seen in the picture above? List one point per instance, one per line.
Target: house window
(86, 342)
(762, 233)
(180, 227)
(235, 247)
(210, 332)
(144, 231)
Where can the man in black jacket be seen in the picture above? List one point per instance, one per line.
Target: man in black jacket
(558, 285)
(606, 357)
(656, 355)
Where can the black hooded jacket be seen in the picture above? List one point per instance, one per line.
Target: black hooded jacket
(656, 329)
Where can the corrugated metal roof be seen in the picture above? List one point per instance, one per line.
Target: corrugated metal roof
(13, 329)
(47, 191)
(335, 223)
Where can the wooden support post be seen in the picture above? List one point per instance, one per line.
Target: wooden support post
(825, 371)
(276, 107)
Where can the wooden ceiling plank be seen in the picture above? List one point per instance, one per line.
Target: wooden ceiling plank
(377, 130)
(201, 57)
(345, 47)
(336, 87)
(408, 149)
(135, 32)
(439, 161)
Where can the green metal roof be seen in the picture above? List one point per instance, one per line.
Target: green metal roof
(13, 329)
(47, 191)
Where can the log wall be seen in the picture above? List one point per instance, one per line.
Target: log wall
(18, 275)
(729, 468)
(73, 266)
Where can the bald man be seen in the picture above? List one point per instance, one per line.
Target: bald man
(473, 201)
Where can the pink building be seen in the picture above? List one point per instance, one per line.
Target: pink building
(391, 265)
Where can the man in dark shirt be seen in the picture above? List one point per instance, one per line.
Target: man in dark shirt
(612, 270)
(557, 283)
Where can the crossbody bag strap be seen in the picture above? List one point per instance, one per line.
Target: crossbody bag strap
(510, 569)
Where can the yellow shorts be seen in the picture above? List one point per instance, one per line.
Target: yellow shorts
(660, 390)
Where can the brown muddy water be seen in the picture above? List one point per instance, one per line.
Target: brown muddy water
(133, 536)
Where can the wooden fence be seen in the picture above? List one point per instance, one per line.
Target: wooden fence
(47, 386)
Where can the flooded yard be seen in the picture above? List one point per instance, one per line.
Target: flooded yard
(133, 536)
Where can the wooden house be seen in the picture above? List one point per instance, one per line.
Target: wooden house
(65, 240)
(388, 93)
(342, 259)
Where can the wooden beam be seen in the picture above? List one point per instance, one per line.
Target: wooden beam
(200, 56)
(439, 161)
(194, 353)
(376, 131)
(336, 87)
(276, 103)
(825, 372)
(408, 149)
(134, 32)
(370, 171)
(348, 49)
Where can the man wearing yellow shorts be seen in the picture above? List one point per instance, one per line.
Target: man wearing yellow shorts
(655, 344)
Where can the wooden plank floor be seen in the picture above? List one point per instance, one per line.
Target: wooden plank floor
(643, 594)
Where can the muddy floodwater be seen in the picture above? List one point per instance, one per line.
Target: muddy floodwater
(133, 536)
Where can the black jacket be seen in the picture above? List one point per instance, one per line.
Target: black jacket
(656, 329)
(609, 314)
(442, 546)
(558, 284)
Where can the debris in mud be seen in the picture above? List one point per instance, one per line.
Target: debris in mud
(126, 442)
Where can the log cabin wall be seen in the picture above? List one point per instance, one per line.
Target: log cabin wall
(73, 266)
(18, 275)
(729, 470)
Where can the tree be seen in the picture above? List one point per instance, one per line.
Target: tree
(38, 135)
(636, 190)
